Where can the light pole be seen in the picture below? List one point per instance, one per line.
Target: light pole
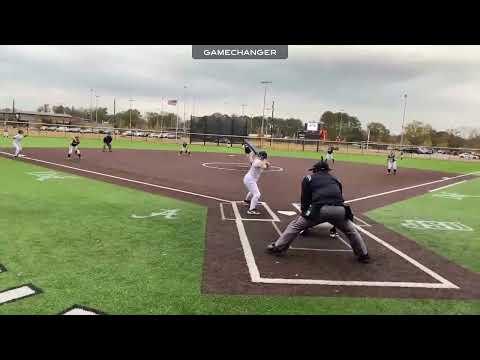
(91, 104)
(243, 115)
(340, 132)
(131, 100)
(96, 108)
(265, 83)
(403, 121)
(184, 108)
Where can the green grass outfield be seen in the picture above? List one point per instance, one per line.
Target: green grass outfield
(122, 143)
(75, 239)
(462, 247)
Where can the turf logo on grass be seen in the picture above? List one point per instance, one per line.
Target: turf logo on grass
(435, 225)
(50, 175)
(455, 196)
(166, 213)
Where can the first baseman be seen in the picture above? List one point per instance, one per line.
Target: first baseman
(17, 143)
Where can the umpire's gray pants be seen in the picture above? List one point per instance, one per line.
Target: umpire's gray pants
(334, 215)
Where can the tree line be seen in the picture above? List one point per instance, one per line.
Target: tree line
(340, 125)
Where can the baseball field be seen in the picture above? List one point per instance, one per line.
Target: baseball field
(142, 230)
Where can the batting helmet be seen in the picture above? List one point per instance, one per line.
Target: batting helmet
(262, 155)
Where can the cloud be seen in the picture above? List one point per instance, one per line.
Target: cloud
(442, 82)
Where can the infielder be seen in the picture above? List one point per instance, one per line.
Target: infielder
(107, 143)
(5, 133)
(330, 154)
(250, 180)
(17, 143)
(74, 147)
(184, 149)
(391, 163)
(322, 201)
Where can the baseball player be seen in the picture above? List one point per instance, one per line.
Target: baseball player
(322, 201)
(5, 133)
(184, 149)
(107, 143)
(391, 163)
(250, 154)
(74, 147)
(330, 154)
(17, 143)
(250, 180)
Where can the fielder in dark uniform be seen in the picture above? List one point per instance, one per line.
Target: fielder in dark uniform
(74, 147)
(107, 142)
(184, 149)
(322, 201)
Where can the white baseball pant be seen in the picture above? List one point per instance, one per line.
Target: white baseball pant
(253, 192)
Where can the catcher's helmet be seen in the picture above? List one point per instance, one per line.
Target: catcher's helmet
(262, 155)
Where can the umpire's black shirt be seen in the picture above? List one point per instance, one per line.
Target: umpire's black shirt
(320, 189)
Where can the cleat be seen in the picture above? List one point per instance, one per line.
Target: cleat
(253, 212)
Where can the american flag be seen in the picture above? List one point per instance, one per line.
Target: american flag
(172, 102)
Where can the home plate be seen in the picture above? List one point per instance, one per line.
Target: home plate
(288, 213)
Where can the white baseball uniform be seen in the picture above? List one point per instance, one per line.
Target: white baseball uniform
(17, 143)
(392, 163)
(250, 180)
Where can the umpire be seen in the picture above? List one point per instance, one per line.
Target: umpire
(322, 201)
(107, 142)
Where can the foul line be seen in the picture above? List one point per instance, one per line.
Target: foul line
(123, 179)
(408, 188)
(447, 186)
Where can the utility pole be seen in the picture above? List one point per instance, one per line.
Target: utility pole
(91, 100)
(403, 121)
(184, 107)
(273, 109)
(114, 113)
(131, 100)
(265, 83)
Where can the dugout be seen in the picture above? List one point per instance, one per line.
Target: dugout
(218, 128)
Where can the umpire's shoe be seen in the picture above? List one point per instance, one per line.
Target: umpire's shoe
(364, 259)
(277, 250)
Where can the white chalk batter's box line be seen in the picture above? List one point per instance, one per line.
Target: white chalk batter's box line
(252, 267)
(256, 278)
(364, 223)
(348, 249)
(265, 205)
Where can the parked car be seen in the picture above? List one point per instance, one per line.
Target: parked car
(75, 130)
(128, 133)
(424, 150)
(43, 128)
(155, 135)
(61, 128)
(468, 156)
(52, 128)
(86, 131)
(171, 136)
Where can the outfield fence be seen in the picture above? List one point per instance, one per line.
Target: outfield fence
(169, 135)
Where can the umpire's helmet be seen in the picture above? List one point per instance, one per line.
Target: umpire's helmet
(262, 155)
(322, 165)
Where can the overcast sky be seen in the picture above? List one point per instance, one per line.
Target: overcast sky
(442, 82)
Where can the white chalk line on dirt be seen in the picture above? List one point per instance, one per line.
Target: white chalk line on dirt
(251, 264)
(122, 178)
(447, 186)
(407, 188)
